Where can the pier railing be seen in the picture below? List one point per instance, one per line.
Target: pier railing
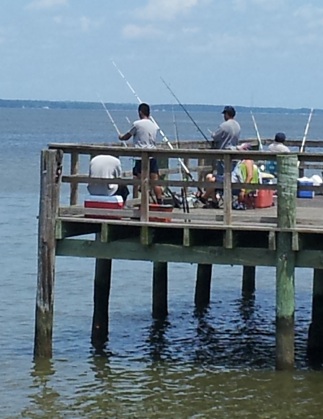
(195, 160)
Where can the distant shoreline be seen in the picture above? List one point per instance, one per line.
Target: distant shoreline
(46, 104)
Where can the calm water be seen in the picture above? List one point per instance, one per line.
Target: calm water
(219, 365)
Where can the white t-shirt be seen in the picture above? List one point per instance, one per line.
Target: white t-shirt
(104, 167)
(144, 133)
(277, 147)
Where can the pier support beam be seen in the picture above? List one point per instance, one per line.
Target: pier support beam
(315, 335)
(203, 286)
(160, 285)
(285, 264)
(102, 285)
(50, 171)
(248, 280)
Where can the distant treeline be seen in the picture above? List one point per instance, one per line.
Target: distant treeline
(45, 104)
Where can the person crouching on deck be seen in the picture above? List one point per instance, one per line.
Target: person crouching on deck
(109, 167)
(144, 133)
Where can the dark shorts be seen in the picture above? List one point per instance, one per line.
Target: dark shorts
(220, 167)
(153, 167)
(123, 191)
(220, 179)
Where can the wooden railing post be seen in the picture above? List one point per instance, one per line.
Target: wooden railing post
(74, 171)
(50, 171)
(227, 193)
(145, 186)
(285, 263)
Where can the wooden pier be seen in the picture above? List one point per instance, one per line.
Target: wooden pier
(287, 236)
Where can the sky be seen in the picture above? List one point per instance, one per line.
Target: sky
(261, 53)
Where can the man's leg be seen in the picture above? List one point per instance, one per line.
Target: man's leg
(123, 191)
(136, 171)
(157, 189)
(154, 175)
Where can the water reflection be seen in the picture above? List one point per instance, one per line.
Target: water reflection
(157, 340)
(45, 401)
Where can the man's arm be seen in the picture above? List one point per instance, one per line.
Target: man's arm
(217, 138)
(125, 137)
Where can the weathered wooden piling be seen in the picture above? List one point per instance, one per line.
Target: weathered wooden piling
(102, 285)
(75, 163)
(248, 280)
(160, 286)
(203, 286)
(285, 263)
(315, 336)
(50, 172)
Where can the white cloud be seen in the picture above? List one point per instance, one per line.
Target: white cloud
(136, 31)
(46, 4)
(165, 9)
(242, 5)
(313, 16)
(84, 23)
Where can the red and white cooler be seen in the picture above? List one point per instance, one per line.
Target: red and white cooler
(104, 203)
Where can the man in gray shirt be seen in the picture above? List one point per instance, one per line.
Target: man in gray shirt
(144, 133)
(227, 135)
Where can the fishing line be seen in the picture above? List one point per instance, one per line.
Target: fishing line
(185, 110)
(111, 119)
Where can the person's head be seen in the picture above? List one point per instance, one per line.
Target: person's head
(143, 110)
(229, 112)
(280, 137)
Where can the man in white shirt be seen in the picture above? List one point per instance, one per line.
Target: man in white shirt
(106, 166)
(278, 145)
(144, 133)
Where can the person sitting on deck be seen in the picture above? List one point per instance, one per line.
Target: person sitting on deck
(246, 171)
(277, 146)
(106, 166)
(210, 196)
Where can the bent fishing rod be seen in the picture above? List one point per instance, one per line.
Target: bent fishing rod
(306, 130)
(112, 120)
(185, 110)
(257, 131)
(187, 172)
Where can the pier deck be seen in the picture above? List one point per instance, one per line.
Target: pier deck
(287, 235)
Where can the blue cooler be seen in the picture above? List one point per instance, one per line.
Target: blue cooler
(305, 194)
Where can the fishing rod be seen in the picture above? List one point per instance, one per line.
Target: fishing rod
(257, 131)
(140, 101)
(175, 128)
(112, 120)
(187, 172)
(185, 110)
(306, 130)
